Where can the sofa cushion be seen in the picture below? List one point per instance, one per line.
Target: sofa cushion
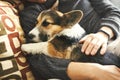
(13, 64)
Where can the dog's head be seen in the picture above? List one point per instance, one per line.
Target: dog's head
(51, 22)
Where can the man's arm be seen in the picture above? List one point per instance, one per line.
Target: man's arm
(110, 15)
(92, 71)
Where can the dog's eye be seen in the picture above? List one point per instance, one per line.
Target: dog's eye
(45, 23)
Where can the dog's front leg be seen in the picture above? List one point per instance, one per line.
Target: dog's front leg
(35, 48)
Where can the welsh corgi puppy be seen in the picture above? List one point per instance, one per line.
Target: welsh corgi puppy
(62, 32)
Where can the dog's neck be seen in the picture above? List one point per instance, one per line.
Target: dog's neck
(76, 32)
(68, 37)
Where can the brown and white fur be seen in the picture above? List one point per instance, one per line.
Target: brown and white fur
(62, 32)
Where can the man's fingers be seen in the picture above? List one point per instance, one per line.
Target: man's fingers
(96, 48)
(90, 47)
(103, 49)
(85, 45)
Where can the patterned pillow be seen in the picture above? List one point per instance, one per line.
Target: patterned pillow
(13, 65)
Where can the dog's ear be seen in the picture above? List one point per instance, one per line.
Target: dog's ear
(55, 5)
(72, 17)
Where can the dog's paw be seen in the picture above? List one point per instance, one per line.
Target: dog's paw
(29, 49)
(35, 48)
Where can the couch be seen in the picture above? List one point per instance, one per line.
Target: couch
(13, 64)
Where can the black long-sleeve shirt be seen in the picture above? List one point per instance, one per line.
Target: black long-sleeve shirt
(97, 13)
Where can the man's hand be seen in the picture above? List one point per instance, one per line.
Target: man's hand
(93, 42)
